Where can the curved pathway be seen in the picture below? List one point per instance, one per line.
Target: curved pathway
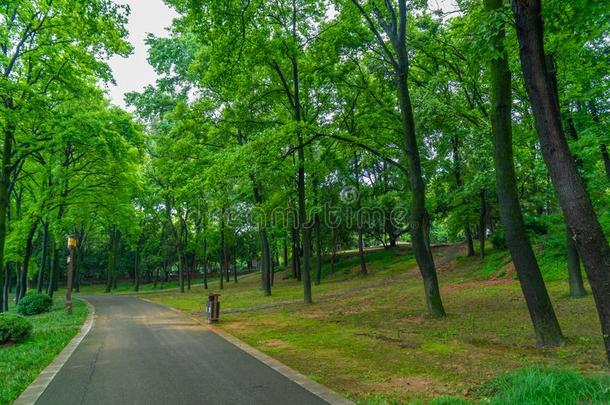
(142, 353)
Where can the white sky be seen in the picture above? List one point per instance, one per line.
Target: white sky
(153, 16)
(134, 73)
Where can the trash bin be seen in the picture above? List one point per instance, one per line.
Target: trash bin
(212, 308)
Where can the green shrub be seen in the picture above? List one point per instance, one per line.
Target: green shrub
(498, 241)
(14, 328)
(533, 385)
(33, 304)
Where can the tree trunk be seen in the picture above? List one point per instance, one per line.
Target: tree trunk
(333, 255)
(302, 210)
(235, 263)
(5, 174)
(359, 224)
(419, 215)
(52, 267)
(156, 277)
(204, 259)
(577, 288)
(266, 261)
(457, 171)
(112, 260)
(295, 252)
(225, 254)
(136, 270)
(285, 254)
(546, 327)
(17, 283)
(43, 260)
(573, 198)
(190, 261)
(318, 249)
(5, 288)
(603, 148)
(223, 249)
(273, 264)
(606, 158)
(78, 264)
(27, 254)
(482, 223)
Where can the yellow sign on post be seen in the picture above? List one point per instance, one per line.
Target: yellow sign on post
(71, 242)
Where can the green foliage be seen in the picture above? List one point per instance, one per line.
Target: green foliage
(34, 304)
(535, 385)
(14, 328)
(498, 240)
(21, 364)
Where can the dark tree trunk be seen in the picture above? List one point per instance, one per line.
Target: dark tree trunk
(266, 267)
(5, 174)
(5, 288)
(272, 270)
(573, 198)
(27, 254)
(606, 158)
(54, 268)
(235, 263)
(115, 237)
(49, 284)
(156, 277)
(602, 146)
(17, 283)
(296, 254)
(393, 238)
(78, 265)
(359, 224)
(546, 327)
(457, 171)
(285, 254)
(223, 249)
(204, 262)
(333, 255)
(318, 250)
(577, 288)
(266, 261)
(193, 269)
(482, 223)
(419, 216)
(190, 261)
(419, 228)
(302, 210)
(136, 269)
(181, 265)
(43, 259)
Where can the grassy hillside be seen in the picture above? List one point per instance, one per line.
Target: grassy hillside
(369, 337)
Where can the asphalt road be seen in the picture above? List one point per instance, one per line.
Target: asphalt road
(142, 353)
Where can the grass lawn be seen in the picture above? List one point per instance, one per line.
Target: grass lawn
(21, 363)
(369, 338)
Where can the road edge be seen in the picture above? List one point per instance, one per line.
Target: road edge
(31, 394)
(308, 384)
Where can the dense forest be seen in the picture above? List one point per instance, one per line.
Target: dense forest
(281, 132)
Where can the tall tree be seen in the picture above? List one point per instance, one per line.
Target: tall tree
(546, 326)
(575, 202)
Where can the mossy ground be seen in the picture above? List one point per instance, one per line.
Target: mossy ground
(370, 339)
(21, 363)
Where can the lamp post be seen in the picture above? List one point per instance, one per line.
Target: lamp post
(71, 247)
